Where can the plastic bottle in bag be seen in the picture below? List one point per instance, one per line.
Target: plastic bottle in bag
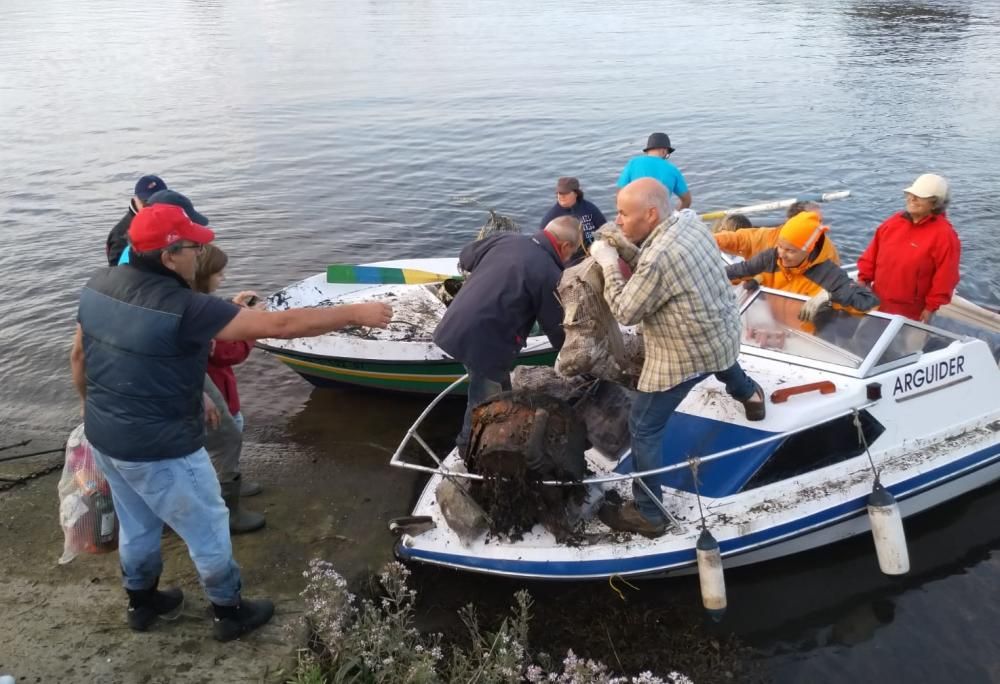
(86, 509)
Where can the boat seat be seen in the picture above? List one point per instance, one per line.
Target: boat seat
(690, 436)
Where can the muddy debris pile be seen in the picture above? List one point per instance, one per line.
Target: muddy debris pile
(537, 432)
(601, 406)
(519, 439)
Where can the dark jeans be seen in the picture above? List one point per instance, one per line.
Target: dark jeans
(482, 387)
(648, 422)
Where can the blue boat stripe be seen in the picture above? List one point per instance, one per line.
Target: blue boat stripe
(678, 559)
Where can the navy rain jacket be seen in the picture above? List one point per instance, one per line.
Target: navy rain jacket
(512, 283)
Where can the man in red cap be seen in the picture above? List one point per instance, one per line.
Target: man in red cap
(139, 359)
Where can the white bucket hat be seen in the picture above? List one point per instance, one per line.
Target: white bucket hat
(929, 185)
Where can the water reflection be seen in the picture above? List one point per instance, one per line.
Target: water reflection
(898, 33)
(911, 16)
(861, 623)
(844, 610)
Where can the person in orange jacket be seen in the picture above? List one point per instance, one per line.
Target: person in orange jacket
(746, 241)
(803, 262)
(912, 262)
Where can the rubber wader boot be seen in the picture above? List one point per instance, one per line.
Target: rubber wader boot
(249, 488)
(232, 622)
(240, 521)
(145, 605)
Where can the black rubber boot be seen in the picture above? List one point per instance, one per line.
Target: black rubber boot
(249, 488)
(241, 521)
(145, 605)
(232, 622)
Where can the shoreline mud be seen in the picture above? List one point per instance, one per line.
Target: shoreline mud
(325, 500)
(66, 623)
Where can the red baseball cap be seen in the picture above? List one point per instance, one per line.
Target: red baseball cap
(161, 225)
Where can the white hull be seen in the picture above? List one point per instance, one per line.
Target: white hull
(933, 425)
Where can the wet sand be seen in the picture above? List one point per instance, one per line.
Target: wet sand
(65, 623)
(327, 495)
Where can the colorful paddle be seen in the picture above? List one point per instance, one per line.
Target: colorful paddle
(381, 275)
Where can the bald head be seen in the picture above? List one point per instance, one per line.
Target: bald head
(642, 205)
(568, 234)
(566, 229)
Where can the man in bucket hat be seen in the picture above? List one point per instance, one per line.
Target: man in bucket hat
(117, 240)
(139, 359)
(653, 164)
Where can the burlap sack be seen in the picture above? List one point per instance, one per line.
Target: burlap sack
(595, 344)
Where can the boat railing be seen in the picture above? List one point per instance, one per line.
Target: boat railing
(398, 461)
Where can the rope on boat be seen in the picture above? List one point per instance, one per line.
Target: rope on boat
(693, 463)
(611, 582)
(864, 442)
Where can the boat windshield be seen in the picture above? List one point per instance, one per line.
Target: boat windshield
(771, 321)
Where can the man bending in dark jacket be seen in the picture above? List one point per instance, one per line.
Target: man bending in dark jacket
(511, 284)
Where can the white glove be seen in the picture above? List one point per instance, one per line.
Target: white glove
(812, 307)
(604, 253)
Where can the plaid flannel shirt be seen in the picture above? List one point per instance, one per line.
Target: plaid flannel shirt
(680, 294)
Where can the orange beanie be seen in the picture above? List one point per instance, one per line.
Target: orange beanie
(803, 230)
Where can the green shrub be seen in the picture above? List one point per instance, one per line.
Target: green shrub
(374, 641)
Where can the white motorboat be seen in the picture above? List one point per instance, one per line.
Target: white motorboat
(860, 394)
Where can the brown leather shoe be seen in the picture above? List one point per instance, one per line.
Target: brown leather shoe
(627, 518)
(755, 407)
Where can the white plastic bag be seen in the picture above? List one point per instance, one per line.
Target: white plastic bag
(86, 511)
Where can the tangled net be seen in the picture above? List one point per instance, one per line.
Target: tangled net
(498, 223)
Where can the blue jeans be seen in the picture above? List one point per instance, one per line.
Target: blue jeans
(183, 493)
(482, 386)
(647, 423)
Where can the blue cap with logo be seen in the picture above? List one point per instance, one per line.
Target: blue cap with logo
(178, 200)
(147, 185)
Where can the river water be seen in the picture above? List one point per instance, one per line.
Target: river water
(312, 132)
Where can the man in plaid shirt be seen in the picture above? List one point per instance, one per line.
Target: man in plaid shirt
(690, 326)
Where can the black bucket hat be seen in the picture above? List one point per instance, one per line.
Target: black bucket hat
(658, 141)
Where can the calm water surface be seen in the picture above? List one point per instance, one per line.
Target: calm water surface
(311, 132)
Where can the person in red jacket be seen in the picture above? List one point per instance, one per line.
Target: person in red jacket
(912, 262)
(211, 272)
(225, 441)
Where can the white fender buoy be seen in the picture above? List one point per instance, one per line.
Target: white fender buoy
(710, 574)
(887, 530)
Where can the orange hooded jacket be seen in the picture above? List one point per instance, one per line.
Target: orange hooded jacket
(747, 242)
